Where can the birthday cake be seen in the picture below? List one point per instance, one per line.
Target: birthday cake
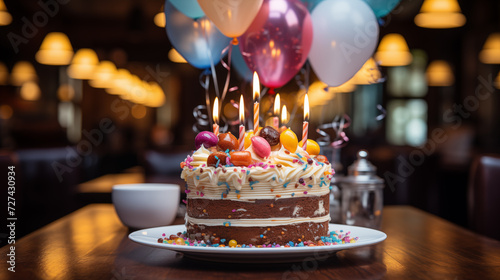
(269, 190)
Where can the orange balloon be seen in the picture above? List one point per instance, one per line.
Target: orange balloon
(232, 18)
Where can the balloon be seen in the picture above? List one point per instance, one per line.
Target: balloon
(188, 7)
(382, 7)
(199, 42)
(311, 4)
(232, 17)
(240, 65)
(345, 36)
(277, 43)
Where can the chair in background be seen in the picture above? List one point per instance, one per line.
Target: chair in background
(484, 195)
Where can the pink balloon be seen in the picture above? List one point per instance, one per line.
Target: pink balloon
(278, 41)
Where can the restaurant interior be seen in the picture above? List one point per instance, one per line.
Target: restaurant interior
(90, 89)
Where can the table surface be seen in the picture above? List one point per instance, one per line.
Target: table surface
(91, 243)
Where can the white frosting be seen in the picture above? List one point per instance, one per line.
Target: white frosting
(321, 209)
(256, 222)
(257, 182)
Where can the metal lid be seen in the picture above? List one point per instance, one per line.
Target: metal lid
(362, 171)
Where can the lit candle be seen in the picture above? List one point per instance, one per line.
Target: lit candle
(215, 114)
(305, 124)
(242, 125)
(276, 118)
(256, 97)
(284, 118)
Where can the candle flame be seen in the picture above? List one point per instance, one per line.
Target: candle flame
(277, 104)
(215, 112)
(242, 110)
(256, 87)
(284, 115)
(306, 108)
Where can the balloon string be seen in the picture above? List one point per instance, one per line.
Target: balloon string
(338, 125)
(382, 111)
(227, 66)
(212, 66)
(204, 80)
(302, 85)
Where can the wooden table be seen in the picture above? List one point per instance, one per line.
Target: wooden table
(91, 243)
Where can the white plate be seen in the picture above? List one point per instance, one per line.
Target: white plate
(150, 237)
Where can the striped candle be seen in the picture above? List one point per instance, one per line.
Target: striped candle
(256, 97)
(215, 115)
(241, 138)
(305, 124)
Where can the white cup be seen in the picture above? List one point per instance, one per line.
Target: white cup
(146, 205)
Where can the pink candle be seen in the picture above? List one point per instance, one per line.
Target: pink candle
(256, 97)
(305, 124)
(215, 115)
(241, 138)
(276, 118)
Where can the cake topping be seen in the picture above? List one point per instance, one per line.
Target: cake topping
(289, 140)
(205, 138)
(271, 135)
(227, 141)
(216, 158)
(260, 146)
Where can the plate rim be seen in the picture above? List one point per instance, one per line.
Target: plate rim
(381, 236)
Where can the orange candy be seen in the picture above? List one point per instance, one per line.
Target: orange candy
(227, 141)
(216, 157)
(241, 158)
(248, 138)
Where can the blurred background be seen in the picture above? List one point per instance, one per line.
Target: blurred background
(64, 123)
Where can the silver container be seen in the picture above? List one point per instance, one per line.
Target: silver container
(362, 194)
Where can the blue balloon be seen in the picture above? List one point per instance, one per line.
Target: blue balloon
(198, 41)
(382, 7)
(240, 65)
(190, 8)
(310, 4)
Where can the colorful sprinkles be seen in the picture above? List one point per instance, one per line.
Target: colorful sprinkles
(334, 238)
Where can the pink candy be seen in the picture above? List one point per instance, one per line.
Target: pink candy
(260, 146)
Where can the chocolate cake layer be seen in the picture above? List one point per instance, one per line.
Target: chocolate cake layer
(311, 206)
(260, 235)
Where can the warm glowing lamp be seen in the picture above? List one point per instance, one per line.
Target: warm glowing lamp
(65, 92)
(4, 74)
(393, 51)
(440, 14)
(175, 56)
(120, 83)
(30, 91)
(490, 54)
(497, 81)
(160, 19)
(22, 72)
(56, 49)
(155, 95)
(83, 64)
(439, 74)
(5, 17)
(368, 74)
(103, 75)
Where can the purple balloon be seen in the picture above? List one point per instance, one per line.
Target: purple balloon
(278, 41)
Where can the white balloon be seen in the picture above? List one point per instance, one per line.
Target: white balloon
(345, 36)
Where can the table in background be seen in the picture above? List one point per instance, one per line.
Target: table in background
(98, 190)
(91, 243)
